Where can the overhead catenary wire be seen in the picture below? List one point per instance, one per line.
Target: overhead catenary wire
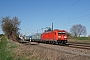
(69, 24)
(75, 19)
(67, 8)
(86, 21)
(80, 13)
(70, 20)
(75, 15)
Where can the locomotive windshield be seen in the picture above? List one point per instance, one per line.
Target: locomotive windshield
(61, 32)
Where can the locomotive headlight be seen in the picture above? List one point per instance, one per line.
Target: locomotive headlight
(59, 36)
(65, 36)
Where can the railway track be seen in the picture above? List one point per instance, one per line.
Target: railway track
(77, 49)
(86, 43)
(71, 44)
(78, 45)
(69, 49)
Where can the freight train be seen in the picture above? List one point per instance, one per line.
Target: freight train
(55, 36)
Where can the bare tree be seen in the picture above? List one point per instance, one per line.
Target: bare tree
(89, 36)
(78, 30)
(68, 34)
(10, 27)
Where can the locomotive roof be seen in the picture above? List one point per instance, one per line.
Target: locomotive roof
(59, 30)
(56, 30)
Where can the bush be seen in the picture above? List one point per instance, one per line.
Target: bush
(10, 27)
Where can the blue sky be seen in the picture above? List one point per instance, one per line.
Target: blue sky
(37, 14)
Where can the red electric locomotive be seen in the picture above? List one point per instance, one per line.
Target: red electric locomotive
(56, 36)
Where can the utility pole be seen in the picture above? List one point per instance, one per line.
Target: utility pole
(25, 32)
(52, 26)
(37, 31)
(42, 30)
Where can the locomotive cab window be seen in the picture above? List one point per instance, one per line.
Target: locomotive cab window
(61, 32)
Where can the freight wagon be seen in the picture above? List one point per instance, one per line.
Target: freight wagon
(27, 38)
(35, 37)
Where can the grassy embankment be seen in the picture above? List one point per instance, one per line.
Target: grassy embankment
(4, 54)
(4, 51)
(7, 49)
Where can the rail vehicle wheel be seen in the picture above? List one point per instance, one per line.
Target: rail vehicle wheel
(53, 42)
(63, 43)
(46, 42)
(59, 43)
(50, 42)
(30, 40)
(38, 41)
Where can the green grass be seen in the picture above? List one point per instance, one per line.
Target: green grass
(1, 35)
(82, 38)
(87, 39)
(6, 48)
(4, 54)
